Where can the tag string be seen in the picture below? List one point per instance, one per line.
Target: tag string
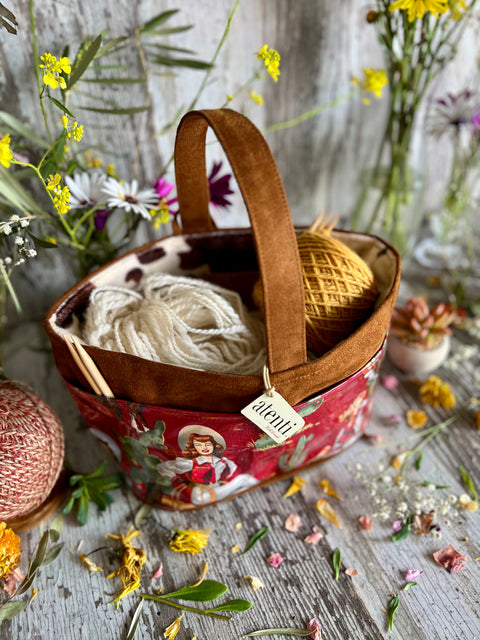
(269, 389)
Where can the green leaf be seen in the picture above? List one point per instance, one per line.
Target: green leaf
(69, 506)
(62, 107)
(11, 609)
(56, 525)
(409, 585)
(337, 562)
(261, 533)
(156, 21)
(167, 32)
(54, 535)
(181, 62)
(233, 605)
(86, 58)
(116, 111)
(418, 461)
(52, 554)
(40, 554)
(405, 530)
(426, 483)
(206, 590)
(468, 482)
(83, 509)
(392, 607)
(16, 195)
(164, 47)
(110, 47)
(288, 631)
(7, 20)
(115, 80)
(132, 629)
(25, 584)
(96, 473)
(16, 126)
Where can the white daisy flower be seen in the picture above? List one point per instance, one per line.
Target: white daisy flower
(86, 189)
(125, 195)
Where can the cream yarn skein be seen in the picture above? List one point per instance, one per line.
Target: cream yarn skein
(177, 320)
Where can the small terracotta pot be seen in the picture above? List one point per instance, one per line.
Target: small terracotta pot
(412, 359)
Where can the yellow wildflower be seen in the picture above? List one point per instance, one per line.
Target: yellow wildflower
(271, 58)
(436, 392)
(133, 560)
(65, 122)
(160, 214)
(189, 540)
(373, 82)
(61, 195)
(52, 68)
(297, 485)
(457, 7)
(417, 8)
(255, 582)
(327, 488)
(111, 170)
(6, 155)
(416, 419)
(53, 182)
(253, 95)
(172, 629)
(74, 131)
(92, 161)
(10, 550)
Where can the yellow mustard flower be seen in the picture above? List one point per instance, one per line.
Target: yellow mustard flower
(417, 8)
(416, 419)
(160, 214)
(189, 540)
(10, 550)
(373, 81)
(271, 58)
(457, 8)
(111, 170)
(92, 161)
(6, 155)
(468, 503)
(253, 95)
(132, 562)
(61, 195)
(172, 629)
(298, 484)
(436, 392)
(52, 68)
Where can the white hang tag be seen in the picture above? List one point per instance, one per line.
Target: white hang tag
(274, 416)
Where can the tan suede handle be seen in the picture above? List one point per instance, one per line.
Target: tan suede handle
(275, 243)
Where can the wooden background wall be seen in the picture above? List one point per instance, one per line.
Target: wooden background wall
(322, 45)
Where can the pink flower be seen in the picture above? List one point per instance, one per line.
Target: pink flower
(293, 522)
(163, 189)
(450, 559)
(316, 628)
(219, 187)
(412, 574)
(390, 382)
(397, 525)
(275, 560)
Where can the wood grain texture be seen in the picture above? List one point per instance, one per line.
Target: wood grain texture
(73, 603)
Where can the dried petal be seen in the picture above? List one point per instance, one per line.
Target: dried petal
(255, 582)
(423, 523)
(316, 628)
(12, 580)
(275, 560)
(365, 522)
(416, 419)
(375, 438)
(412, 574)
(297, 485)
(325, 484)
(351, 572)
(392, 420)
(158, 573)
(327, 512)
(315, 536)
(91, 566)
(189, 540)
(398, 460)
(389, 382)
(172, 629)
(235, 548)
(293, 522)
(467, 502)
(450, 559)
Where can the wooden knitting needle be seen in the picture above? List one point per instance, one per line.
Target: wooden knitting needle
(88, 368)
(320, 224)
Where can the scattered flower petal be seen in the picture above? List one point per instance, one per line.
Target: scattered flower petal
(297, 485)
(158, 573)
(132, 562)
(316, 628)
(293, 522)
(365, 522)
(91, 566)
(327, 512)
(12, 580)
(389, 382)
(467, 502)
(398, 460)
(189, 540)
(238, 526)
(235, 548)
(315, 536)
(423, 523)
(436, 392)
(351, 572)
(412, 574)
(450, 559)
(172, 629)
(397, 525)
(416, 419)
(275, 560)
(255, 582)
(325, 484)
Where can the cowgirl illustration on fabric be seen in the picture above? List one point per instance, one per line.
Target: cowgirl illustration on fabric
(202, 475)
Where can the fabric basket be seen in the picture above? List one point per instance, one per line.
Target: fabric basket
(158, 408)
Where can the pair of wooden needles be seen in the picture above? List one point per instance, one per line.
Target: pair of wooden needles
(88, 367)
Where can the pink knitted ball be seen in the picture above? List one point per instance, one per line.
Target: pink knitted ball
(31, 450)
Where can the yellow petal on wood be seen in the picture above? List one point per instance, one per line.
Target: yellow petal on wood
(91, 565)
(297, 485)
(327, 512)
(325, 484)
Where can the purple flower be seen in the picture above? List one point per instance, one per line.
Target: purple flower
(219, 187)
(412, 574)
(163, 189)
(101, 218)
(397, 525)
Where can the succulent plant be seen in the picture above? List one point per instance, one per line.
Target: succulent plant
(420, 324)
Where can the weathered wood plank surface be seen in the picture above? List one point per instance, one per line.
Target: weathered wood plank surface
(72, 603)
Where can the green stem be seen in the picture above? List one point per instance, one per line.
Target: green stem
(309, 114)
(36, 61)
(184, 607)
